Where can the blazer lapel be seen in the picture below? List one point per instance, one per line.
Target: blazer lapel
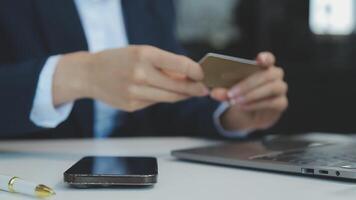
(63, 33)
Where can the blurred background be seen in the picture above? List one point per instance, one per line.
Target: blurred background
(313, 40)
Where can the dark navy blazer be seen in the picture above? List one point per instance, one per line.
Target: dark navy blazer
(33, 30)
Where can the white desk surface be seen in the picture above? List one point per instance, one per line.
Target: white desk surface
(45, 161)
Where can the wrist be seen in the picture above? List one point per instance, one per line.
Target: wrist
(231, 120)
(226, 121)
(71, 78)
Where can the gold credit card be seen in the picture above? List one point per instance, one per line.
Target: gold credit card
(226, 71)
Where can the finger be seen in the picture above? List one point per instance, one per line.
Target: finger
(266, 59)
(219, 94)
(152, 94)
(174, 75)
(271, 89)
(186, 87)
(278, 104)
(176, 63)
(255, 81)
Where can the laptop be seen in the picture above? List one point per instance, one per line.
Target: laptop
(314, 154)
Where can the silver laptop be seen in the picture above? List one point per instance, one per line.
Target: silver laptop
(321, 155)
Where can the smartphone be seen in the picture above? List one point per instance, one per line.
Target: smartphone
(112, 171)
(221, 71)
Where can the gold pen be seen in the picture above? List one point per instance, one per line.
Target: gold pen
(17, 185)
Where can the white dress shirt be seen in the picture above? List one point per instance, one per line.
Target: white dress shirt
(104, 28)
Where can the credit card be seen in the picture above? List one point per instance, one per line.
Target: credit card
(221, 71)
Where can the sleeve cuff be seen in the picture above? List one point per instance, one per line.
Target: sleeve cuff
(43, 112)
(229, 134)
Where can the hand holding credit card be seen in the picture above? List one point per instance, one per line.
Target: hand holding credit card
(255, 90)
(222, 71)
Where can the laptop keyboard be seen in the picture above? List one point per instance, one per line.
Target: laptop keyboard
(331, 156)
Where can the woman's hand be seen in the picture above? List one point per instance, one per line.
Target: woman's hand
(129, 79)
(258, 101)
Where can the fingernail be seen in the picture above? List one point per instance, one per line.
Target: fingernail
(233, 93)
(230, 95)
(263, 58)
(240, 100)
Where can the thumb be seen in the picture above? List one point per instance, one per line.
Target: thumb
(266, 59)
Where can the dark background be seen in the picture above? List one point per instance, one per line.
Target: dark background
(320, 70)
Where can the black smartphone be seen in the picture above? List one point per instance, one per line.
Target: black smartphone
(112, 171)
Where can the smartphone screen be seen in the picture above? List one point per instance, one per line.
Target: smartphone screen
(118, 170)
